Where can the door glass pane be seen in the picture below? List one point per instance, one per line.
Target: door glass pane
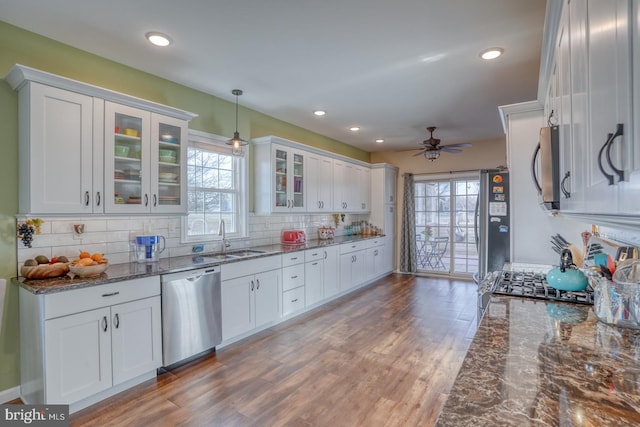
(127, 160)
(444, 212)
(169, 164)
(298, 180)
(281, 178)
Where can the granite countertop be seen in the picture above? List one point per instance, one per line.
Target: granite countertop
(540, 363)
(133, 270)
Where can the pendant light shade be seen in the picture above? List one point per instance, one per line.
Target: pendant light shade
(432, 155)
(237, 144)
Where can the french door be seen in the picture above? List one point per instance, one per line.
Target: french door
(444, 212)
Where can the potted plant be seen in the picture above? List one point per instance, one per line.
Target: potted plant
(427, 232)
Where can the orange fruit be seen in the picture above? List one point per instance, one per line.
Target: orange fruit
(84, 254)
(84, 262)
(97, 257)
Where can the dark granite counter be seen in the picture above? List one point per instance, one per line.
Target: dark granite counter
(128, 271)
(537, 363)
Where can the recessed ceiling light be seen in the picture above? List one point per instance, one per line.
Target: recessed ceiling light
(379, 141)
(491, 53)
(354, 128)
(158, 39)
(319, 112)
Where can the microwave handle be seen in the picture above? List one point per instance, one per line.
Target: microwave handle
(534, 176)
(619, 132)
(610, 178)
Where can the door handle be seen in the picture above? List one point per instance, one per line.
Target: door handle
(116, 320)
(155, 200)
(98, 198)
(610, 178)
(146, 199)
(619, 132)
(567, 194)
(252, 285)
(534, 175)
(257, 284)
(86, 198)
(104, 324)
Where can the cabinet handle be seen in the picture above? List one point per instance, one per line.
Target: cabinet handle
(567, 194)
(315, 263)
(111, 294)
(116, 320)
(294, 258)
(146, 199)
(534, 176)
(257, 284)
(375, 253)
(252, 285)
(155, 200)
(314, 254)
(609, 177)
(294, 277)
(98, 199)
(325, 254)
(294, 300)
(104, 324)
(619, 132)
(86, 198)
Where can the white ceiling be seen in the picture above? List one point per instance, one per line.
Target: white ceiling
(391, 67)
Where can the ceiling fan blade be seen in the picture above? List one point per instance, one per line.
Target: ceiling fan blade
(461, 144)
(420, 153)
(450, 150)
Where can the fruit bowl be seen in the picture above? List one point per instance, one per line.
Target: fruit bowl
(89, 270)
(44, 271)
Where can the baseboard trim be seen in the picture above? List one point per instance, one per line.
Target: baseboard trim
(10, 394)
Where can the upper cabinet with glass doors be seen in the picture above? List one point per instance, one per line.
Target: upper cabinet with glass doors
(144, 161)
(85, 149)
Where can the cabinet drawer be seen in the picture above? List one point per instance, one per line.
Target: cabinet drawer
(292, 276)
(378, 241)
(78, 300)
(252, 266)
(313, 254)
(293, 258)
(292, 300)
(346, 248)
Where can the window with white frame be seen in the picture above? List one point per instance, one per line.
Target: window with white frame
(216, 189)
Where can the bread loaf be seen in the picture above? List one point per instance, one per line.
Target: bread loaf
(44, 271)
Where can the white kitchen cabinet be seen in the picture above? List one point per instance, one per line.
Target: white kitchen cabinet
(67, 142)
(82, 343)
(375, 258)
(345, 187)
(146, 171)
(280, 177)
(57, 148)
(293, 282)
(352, 265)
(362, 194)
(383, 209)
(319, 183)
(331, 270)
(313, 276)
(251, 295)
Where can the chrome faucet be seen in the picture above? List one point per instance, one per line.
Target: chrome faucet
(222, 232)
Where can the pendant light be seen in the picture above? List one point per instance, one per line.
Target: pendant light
(237, 144)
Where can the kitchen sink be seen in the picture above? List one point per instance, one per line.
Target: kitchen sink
(241, 253)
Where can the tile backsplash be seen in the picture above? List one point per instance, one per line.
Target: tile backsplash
(111, 235)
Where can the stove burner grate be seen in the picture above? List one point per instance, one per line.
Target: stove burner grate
(534, 285)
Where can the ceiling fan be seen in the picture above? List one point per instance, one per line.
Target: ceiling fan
(432, 147)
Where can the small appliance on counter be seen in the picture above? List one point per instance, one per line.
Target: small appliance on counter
(293, 237)
(326, 233)
(148, 248)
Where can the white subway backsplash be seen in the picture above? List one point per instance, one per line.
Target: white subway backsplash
(110, 235)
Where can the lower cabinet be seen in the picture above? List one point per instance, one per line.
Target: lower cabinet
(251, 295)
(375, 260)
(75, 344)
(330, 270)
(313, 276)
(352, 265)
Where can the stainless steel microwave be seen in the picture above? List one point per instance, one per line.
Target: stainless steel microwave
(549, 152)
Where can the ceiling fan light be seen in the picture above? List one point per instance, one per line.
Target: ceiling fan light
(432, 154)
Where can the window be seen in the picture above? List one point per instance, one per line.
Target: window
(216, 182)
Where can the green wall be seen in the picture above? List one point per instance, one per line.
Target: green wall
(216, 116)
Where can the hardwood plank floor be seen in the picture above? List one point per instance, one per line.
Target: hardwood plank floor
(386, 355)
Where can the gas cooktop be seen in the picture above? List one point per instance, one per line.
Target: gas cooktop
(534, 285)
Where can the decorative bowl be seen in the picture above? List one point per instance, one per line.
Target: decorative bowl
(89, 270)
(167, 176)
(122, 150)
(169, 138)
(167, 153)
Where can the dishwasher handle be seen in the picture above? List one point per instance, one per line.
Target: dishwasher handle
(191, 276)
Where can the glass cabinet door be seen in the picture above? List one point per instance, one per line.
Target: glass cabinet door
(126, 154)
(168, 171)
(298, 181)
(280, 170)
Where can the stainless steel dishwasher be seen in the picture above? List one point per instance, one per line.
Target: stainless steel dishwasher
(191, 314)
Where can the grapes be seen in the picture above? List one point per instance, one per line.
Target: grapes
(25, 233)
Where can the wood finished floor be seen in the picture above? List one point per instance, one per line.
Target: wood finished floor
(386, 355)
